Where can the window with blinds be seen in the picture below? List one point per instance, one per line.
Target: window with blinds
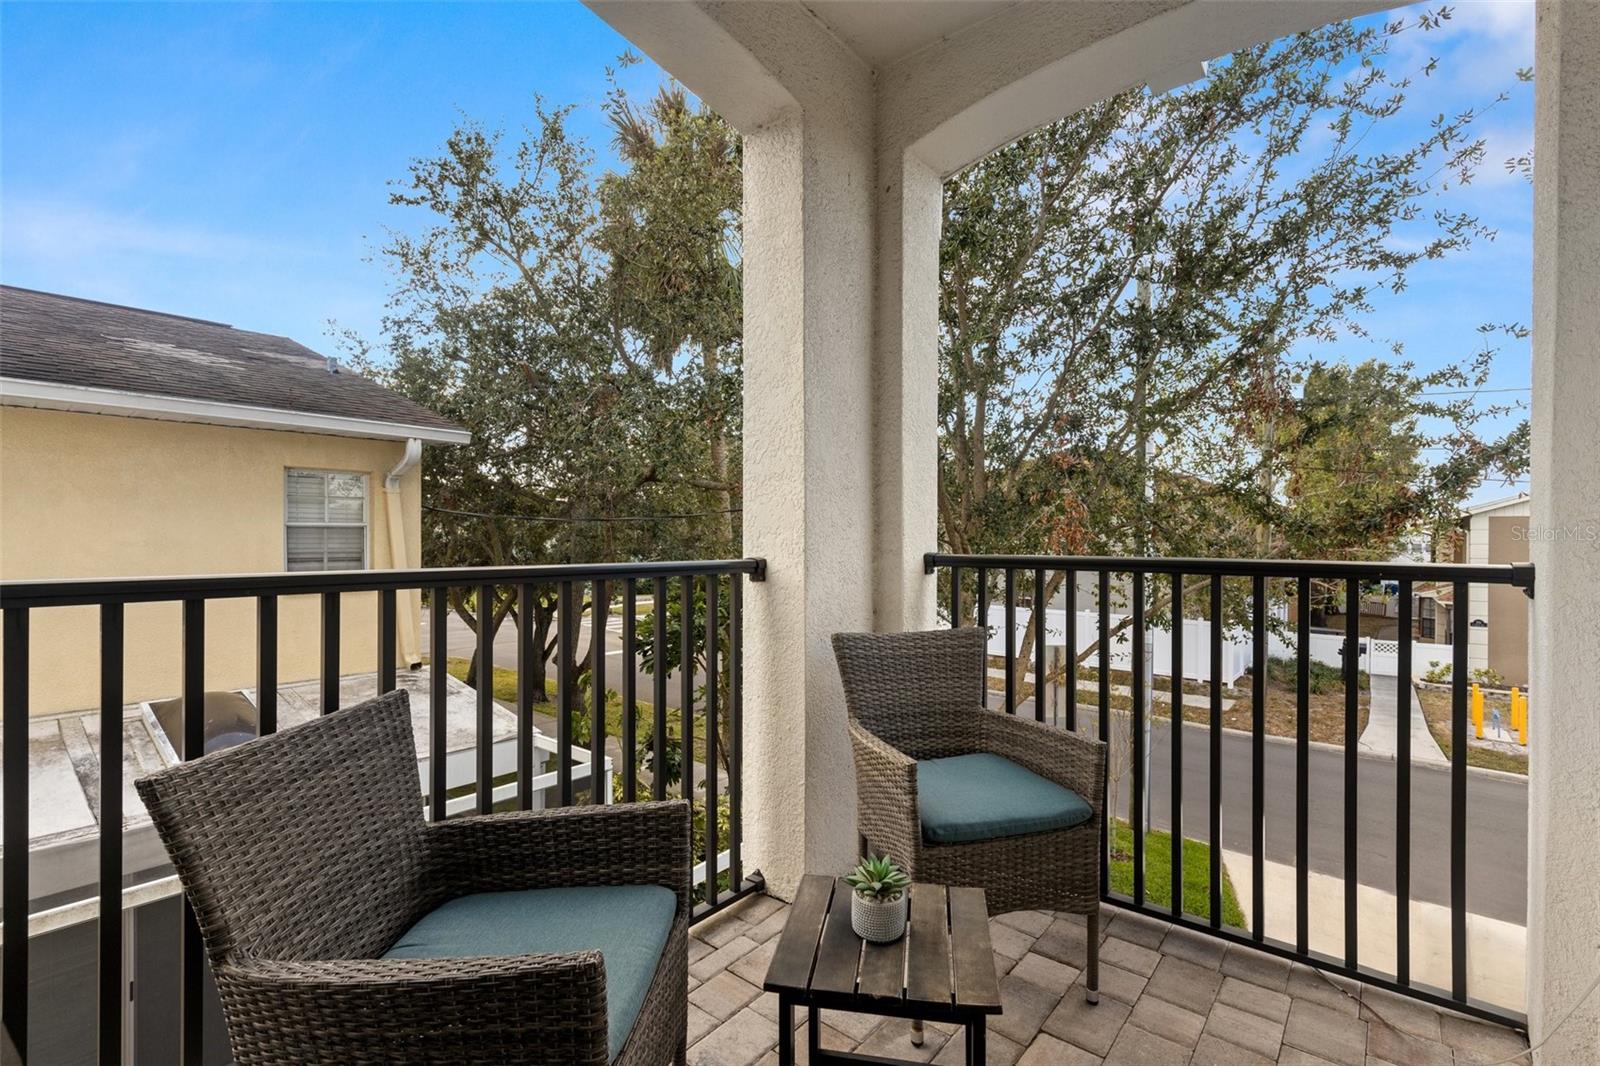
(326, 520)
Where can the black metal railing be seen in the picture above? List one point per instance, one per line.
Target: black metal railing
(1244, 601)
(697, 590)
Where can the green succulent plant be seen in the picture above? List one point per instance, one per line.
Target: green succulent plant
(878, 878)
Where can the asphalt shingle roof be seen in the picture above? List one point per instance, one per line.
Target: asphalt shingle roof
(65, 340)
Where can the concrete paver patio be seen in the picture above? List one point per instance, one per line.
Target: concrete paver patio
(1167, 996)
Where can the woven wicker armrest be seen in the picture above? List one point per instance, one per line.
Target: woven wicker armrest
(613, 844)
(523, 1008)
(886, 794)
(1066, 758)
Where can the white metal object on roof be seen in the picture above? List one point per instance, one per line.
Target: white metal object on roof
(64, 779)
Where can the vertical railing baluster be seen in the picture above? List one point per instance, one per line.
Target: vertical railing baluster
(1136, 725)
(983, 621)
(1258, 754)
(1105, 720)
(1038, 615)
(598, 610)
(266, 665)
(630, 692)
(485, 747)
(1069, 582)
(1402, 792)
(438, 697)
(565, 612)
(1302, 765)
(110, 994)
(1352, 737)
(735, 729)
(713, 583)
(527, 696)
(686, 684)
(1458, 793)
(1175, 735)
(658, 705)
(192, 960)
(955, 597)
(1011, 641)
(14, 889)
(1214, 762)
(331, 633)
(387, 627)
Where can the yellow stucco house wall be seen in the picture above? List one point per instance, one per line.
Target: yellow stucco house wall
(157, 492)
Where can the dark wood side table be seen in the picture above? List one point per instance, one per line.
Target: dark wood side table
(942, 970)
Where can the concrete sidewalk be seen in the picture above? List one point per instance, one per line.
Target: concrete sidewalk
(1496, 950)
(1381, 737)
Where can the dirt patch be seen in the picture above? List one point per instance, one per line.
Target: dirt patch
(1436, 708)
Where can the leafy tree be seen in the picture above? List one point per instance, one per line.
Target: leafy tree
(1124, 294)
(579, 325)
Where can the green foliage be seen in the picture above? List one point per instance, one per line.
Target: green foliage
(1439, 673)
(1320, 676)
(1489, 677)
(1128, 297)
(586, 331)
(877, 877)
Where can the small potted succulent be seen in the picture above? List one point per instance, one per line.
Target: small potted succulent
(879, 901)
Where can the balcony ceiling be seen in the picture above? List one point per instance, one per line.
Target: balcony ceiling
(881, 33)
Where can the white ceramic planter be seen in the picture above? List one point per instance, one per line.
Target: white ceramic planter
(879, 922)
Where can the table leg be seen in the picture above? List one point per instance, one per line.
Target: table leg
(813, 1033)
(978, 1042)
(785, 1031)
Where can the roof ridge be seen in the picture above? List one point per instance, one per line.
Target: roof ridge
(126, 307)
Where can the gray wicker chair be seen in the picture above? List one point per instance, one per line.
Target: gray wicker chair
(306, 858)
(916, 697)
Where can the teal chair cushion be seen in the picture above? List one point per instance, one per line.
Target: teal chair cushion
(967, 798)
(627, 924)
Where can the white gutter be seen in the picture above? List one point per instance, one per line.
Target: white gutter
(406, 624)
(19, 392)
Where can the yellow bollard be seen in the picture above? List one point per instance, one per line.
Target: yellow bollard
(1522, 720)
(1477, 709)
(1516, 708)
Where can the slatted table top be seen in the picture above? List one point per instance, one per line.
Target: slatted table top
(944, 963)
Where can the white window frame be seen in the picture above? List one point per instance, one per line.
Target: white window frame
(366, 515)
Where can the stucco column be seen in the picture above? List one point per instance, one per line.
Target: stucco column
(808, 502)
(1563, 786)
(906, 354)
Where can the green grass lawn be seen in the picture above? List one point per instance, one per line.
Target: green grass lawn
(1158, 874)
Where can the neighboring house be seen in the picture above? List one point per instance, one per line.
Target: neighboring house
(1497, 628)
(136, 443)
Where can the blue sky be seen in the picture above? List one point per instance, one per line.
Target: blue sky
(231, 161)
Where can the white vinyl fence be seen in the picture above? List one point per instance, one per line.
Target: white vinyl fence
(1377, 656)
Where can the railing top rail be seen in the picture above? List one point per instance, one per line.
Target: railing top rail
(1519, 575)
(81, 591)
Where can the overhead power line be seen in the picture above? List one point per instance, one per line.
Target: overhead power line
(1470, 392)
(567, 520)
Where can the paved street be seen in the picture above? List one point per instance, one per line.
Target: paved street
(1496, 816)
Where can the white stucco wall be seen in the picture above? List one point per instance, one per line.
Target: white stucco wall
(843, 172)
(1563, 787)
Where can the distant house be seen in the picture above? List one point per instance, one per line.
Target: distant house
(1497, 627)
(134, 442)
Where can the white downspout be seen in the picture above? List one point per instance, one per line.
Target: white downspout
(407, 625)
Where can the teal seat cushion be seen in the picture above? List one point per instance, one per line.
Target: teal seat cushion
(967, 798)
(627, 924)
